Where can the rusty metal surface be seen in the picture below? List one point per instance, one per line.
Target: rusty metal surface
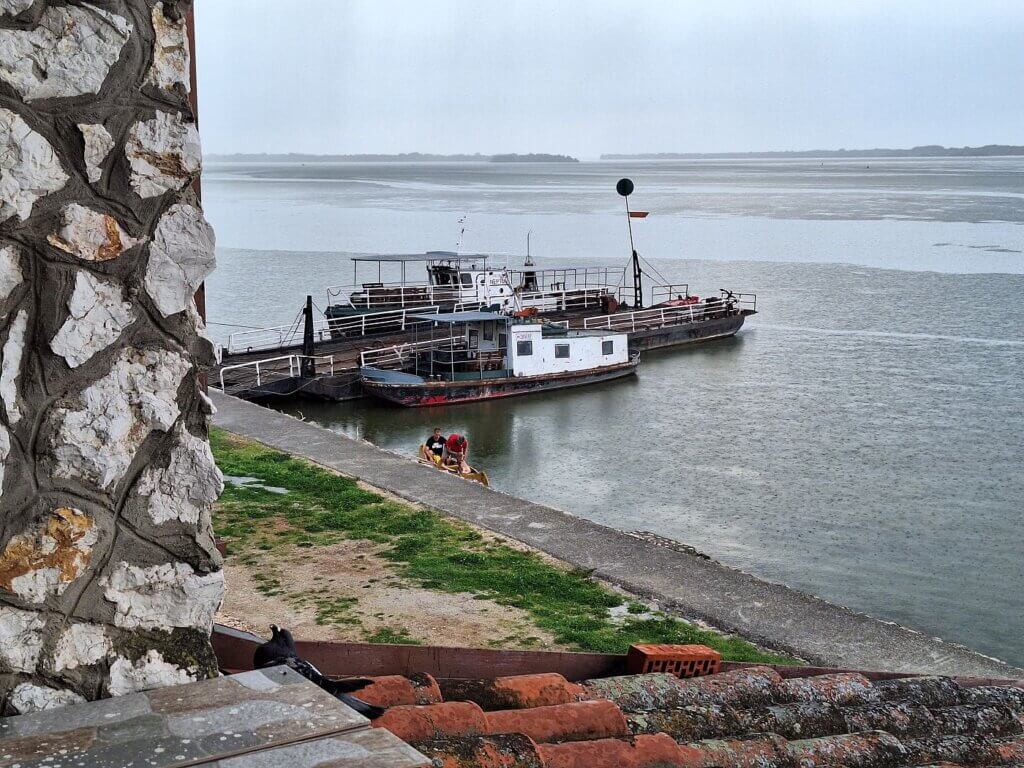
(196, 724)
(234, 651)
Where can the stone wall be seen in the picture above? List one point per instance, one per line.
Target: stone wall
(109, 579)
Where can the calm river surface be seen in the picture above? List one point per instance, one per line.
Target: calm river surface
(861, 439)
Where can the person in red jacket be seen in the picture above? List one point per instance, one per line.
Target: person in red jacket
(456, 451)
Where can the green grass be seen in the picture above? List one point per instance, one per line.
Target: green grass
(431, 550)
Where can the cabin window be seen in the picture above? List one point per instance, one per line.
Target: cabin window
(607, 347)
(467, 279)
(524, 348)
(561, 350)
(488, 331)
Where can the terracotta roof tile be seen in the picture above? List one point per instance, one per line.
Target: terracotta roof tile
(745, 718)
(515, 692)
(422, 723)
(395, 690)
(578, 721)
(657, 751)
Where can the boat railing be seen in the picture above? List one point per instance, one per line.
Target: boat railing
(412, 295)
(256, 373)
(565, 299)
(668, 291)
(364, 324)
(400, 355)
(661, 316)
(561, 278)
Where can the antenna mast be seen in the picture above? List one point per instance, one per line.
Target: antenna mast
(625, 188)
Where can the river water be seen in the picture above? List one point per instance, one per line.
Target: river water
(862, 439)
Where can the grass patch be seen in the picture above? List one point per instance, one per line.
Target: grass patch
(436, 552)
(393, 636)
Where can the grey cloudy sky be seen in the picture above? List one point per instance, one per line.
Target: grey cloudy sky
(349, 76)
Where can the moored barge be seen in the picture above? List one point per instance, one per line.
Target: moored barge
(487, 355)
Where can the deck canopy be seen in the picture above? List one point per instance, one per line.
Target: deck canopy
(459, 318)
(429, 256)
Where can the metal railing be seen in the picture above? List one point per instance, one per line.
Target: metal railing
(283, 336)
(400, 355)
(661, 316)
(270, 369)
(570, 277)
(413, 295)
(564, 300)
(668, 291)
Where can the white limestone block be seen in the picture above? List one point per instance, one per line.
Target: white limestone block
(188, 485)
(68, 54)
(29, 697)
(81, 645)
(14, 7)
(5, 451)
(181, 256)
(21, 639)
(164, 154)
(10, 366)
(151, 671)
(91, 235)
(30, 168)
(163, 596)
(170, 65)
(99, 314)
(10, 271)
(98, 143)
(97, 433)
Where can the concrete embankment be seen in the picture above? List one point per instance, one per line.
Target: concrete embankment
(770, 614)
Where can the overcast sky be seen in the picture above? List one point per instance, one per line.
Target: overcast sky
(348, 76)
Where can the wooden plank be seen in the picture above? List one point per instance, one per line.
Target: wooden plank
(369, 748)
(179, 726)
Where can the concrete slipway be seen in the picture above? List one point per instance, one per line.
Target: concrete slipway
(770, 614)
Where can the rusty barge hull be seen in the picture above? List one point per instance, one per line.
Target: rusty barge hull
(432, 393)
(681, 334)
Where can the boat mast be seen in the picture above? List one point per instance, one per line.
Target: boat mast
(625, 188)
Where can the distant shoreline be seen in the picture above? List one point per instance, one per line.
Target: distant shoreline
(404, 157)
(934, 150)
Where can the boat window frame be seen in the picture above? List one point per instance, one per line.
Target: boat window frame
(524, 344)
(466, 280)
(558, 351)
(608, 347)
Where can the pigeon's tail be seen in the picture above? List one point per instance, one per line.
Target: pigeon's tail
(345, 685)
(360, 706)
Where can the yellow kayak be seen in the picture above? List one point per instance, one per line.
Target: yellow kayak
(428, 457)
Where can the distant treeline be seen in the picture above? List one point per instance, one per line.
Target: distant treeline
(404, 157)
(931, 150)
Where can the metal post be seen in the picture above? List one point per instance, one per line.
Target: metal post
(308, 368)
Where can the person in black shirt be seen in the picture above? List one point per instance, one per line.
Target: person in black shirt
(435, 443)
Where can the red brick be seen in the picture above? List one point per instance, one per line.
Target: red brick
(657, 751)
(395, 690)
(562, 722)
(678, 660)
(423, 723)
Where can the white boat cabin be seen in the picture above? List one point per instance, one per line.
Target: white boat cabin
(488, 345)
(469, 281)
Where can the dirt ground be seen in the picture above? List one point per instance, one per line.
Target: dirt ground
(313, 578)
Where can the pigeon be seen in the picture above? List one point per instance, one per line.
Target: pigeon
(280, 649)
